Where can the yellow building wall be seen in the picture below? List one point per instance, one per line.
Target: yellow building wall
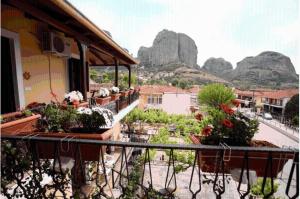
(143, 101)
(36, 63)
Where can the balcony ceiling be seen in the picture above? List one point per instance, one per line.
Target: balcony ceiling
(64, 17)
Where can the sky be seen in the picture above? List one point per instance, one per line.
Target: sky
(232, 29)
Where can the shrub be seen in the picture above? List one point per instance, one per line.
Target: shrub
(225, 125)
(295, 121)
(213, 95)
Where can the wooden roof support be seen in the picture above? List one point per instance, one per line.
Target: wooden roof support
(129, 76)
(116, 72)
(98, 56)
(83, 79)
(72, 11)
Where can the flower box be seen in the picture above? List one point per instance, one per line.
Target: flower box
(114, 97)
(88, 152)
(23, 124)
(124, 93)
(137, 89)
(103, 100)
(257, 160)
(75, 104)
(131, 91)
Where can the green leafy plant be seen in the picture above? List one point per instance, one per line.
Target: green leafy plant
(55, 119)
(93, 74)
(27, 112)
(292, 107)
(295, 121)
(222, 123)
(256, 189)
(213, 95)
(17, 168)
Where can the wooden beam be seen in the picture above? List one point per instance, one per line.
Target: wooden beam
(22, 5)
(98, 56)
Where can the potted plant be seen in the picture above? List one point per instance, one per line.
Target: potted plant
(123, 90)
(114, 93)
(74, 99)
(103, 97)
(224, 125)
(16, 122)
(82, 123)
(131, 90)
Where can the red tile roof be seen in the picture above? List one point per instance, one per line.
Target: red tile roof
(274, 94)
(279, 94)
(248, 93)
(160, 89)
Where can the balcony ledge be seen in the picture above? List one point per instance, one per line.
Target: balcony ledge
(124, 112)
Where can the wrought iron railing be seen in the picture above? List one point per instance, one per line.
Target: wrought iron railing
(32, 169)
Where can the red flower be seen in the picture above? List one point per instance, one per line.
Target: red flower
(227, 123)
(235, 102)
(226, 109)
(229, 111)
(199, 116)
(206, 131)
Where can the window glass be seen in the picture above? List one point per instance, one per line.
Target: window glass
(160, 99)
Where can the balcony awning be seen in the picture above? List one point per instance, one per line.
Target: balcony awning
(63, 16)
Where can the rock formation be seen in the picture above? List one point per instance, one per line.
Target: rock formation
(169, 48)
(218, 66)
(267, 68)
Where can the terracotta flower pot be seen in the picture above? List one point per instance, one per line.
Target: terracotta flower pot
(103, 101)
(123, 104)
(124, 93)
(114, 97)
(88, 152)
(131, 91)
(75, 105)
(26, 124)
(257, 160)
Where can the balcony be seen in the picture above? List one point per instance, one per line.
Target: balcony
(131, 172)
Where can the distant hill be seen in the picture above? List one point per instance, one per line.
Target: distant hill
(268, 69)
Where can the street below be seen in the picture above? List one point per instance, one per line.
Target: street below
(271, 135)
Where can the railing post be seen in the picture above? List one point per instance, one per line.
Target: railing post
(116, 72)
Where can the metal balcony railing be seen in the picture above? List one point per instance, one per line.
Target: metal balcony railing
(121, 103)
(28, 171)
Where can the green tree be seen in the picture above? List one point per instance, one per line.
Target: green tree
(292, 107)
(93, 74)
(213, 95)
(125, 78)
